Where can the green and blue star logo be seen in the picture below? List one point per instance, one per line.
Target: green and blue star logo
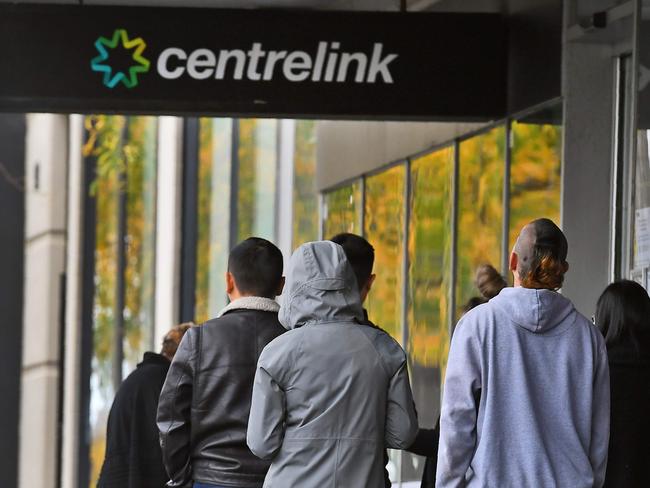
(129, 77)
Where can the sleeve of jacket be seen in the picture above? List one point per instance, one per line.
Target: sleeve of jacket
(268, 409)
(459, 407)
(174, 412)
(401, 418)
(600, 418)
(426, 442)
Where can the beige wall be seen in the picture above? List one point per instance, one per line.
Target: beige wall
(45, 244)
(348, 149)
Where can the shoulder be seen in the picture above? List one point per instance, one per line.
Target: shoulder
(282, 346)
(477, 320)
(389, 350)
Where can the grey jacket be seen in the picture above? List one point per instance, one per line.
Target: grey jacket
(330, 394)
(526, 400)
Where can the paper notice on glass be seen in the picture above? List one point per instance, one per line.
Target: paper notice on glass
(642, 237)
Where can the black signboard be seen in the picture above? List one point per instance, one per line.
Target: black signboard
(438, 66)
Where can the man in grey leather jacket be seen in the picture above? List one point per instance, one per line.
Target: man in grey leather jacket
(332, 393)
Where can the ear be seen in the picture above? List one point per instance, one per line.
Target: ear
(514, 260)
(230, 283)
(280, 286)
(566, 266)
(370, 282)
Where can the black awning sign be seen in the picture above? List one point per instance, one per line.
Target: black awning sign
(252, 62)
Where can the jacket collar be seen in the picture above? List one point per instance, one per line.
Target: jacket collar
(261, 304)
(154, 358)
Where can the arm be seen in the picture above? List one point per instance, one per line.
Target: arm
(426, 442)
(459, 409)
(600, 419)
(174, 410)
(401, 419)
(266, 422)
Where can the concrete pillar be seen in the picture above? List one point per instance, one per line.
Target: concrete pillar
(73, 318)
(286, 148)
(45, 243)
(168, 230)
(588, 90)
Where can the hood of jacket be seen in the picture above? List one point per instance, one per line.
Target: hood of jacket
(320, 287)
(538, 311)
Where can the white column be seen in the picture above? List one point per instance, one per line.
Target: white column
(73, 318)
(286, 149)
(168, 224)
(45, 244)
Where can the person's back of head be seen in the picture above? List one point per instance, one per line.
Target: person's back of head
(173, 338)
(538, 259)
(623, 316)
(472, 303)
(361, 256)
(255, 269)
(489, 281)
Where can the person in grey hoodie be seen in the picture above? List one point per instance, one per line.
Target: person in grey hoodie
(331, 393)
(526, 395)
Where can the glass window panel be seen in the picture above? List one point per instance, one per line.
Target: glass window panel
(480, 201)
(535, 175)
(429, 282)
(213, 219)
(384, 229)
(140, 154)
(257, 178)
(342, 210)
(305, 197)
(124, 150)
(429, 276)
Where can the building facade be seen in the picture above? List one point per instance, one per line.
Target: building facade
(128, 219)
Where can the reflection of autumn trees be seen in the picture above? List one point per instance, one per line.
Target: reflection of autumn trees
(384, 229)
(429, 273)
(305, 200)
(343, 210)
(480, 200)
(124, 149)
(535, 175)
(257, 178)
(204, 200)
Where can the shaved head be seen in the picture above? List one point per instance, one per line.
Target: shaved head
(540, 255)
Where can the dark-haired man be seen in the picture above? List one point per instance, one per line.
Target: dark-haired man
(205, 402)
(526, 400)
(361, 256)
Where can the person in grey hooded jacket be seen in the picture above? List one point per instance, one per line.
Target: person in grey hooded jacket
(331, 393)
(526, 395)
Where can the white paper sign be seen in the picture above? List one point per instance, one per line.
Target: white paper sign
(642, 238)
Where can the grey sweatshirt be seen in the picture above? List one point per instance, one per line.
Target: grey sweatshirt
(526, 396)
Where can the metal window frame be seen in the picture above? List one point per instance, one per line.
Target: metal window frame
(189, 218)
(89, 230)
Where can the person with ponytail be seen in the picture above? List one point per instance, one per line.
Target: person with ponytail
(526, 394)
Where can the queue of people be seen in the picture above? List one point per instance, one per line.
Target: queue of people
(310, 393)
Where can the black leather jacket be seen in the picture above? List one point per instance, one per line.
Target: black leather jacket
(205, 402)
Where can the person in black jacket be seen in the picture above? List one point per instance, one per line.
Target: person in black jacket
(205, 402)
(133, 457)
(623, 316)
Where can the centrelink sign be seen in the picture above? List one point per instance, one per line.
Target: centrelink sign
(252, 62)
(328, 63)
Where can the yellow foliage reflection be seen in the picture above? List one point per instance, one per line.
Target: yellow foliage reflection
(480, 204)
(384, 229)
